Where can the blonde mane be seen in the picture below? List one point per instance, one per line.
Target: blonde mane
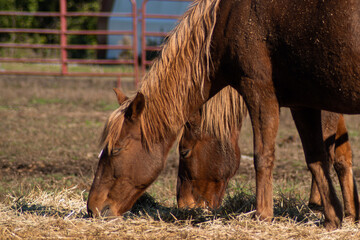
(176, 78)
(223, 113)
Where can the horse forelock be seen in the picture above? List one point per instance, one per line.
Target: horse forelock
(112, 129)
(222, 114)
(177, 76)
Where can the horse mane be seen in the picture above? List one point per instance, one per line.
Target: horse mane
(222, 114)
(176, 78)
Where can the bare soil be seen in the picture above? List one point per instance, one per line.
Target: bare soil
(51, 125)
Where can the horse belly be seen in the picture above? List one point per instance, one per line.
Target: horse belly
(338, 93)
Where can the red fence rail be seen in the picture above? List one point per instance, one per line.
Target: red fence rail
(63, 46)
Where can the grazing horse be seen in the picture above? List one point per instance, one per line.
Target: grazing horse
(301, 54)
(206, 162)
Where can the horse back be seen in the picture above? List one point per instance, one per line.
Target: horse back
(309, 49)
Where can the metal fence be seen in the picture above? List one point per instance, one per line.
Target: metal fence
(64, 47)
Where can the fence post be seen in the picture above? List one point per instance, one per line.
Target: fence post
(63, 38)
(143, 38)
(135, 42)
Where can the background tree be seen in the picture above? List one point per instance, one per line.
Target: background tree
(74, 23)
(102, 24)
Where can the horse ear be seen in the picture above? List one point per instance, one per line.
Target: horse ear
(121, 97)
(136, 107)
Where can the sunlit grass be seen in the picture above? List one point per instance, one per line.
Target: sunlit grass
(72, 68)
(61, 213)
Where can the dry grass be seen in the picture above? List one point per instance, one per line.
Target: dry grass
(48, 152)
(62, 214)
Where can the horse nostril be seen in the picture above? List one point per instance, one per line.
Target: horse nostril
(90, 213)
(105, 211)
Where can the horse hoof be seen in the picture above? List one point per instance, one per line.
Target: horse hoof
(349, 217)
(332, 225)
(263, 217)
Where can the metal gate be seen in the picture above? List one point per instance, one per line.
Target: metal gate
(144, 33)
(64, 47)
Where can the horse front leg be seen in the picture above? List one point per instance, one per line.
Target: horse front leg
(308, 124)
(264, 114)
(315, 198)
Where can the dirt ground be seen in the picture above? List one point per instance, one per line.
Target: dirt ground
(50, 127)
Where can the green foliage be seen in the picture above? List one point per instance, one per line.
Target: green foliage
(74, 23)
(84, 23)
(150, 55)
(45, 101)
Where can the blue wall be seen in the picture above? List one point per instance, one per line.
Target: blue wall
(153, 25)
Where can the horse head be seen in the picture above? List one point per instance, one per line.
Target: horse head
(126, 166)
(206, 165)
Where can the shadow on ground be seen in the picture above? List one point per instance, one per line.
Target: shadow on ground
(241, 204)
(234, 206)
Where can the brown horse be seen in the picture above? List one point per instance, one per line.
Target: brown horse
(282, 53)
(207, 162)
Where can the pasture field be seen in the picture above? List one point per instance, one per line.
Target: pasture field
(49, 132)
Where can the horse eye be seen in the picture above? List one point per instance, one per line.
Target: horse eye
(185, 153)
(115, 151)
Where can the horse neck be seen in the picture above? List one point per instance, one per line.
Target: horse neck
(167, 110)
